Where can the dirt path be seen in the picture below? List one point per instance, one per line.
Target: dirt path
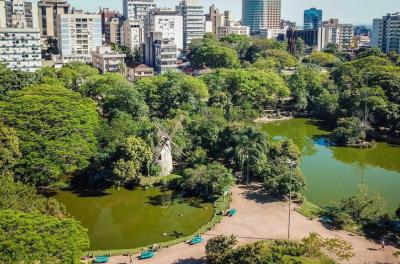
(259, 217)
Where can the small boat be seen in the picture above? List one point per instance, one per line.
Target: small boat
(196, 240)
(101, 259)
(147, 254)
(232, 212)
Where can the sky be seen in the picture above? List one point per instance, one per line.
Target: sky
(348, 11)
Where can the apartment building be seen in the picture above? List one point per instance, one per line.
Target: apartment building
(79, 34)
(107, 60)
(112, 26)
(19, 35)
(193, 20)
(273, 20)
(215, 18)
(333, 32)
(232, 28)
(389, 33)
(48, 12)
(137, 9)
(163, 30)
(133, 33)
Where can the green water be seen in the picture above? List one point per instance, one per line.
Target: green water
(126, 219)
(333, 173)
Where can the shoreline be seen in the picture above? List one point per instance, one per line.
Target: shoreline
(266, 120)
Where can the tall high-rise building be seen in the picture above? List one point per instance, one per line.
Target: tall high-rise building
(79, 34)
(333, 32)
(133, 35)
(163, 39)
(376, 24)
(19, 35)
(215, 17)
(261, 15)
(254, 13)
(273, 20)
(137, 9)
(193, 20)
(48, 12)
(389, 33)
(312, 18)
(18, 14)
(229, 17)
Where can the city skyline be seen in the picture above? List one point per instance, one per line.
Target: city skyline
(291, 9)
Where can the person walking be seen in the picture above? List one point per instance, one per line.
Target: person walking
(383, 243)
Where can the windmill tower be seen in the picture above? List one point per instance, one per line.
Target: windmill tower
(162, 154)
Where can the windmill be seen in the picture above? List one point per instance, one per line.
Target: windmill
(162, 154)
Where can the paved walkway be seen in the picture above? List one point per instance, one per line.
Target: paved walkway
(259, 217)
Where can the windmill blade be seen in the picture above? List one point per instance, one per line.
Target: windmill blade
(179, 150)
(177, 126)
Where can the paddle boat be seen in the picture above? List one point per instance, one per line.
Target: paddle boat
(196, 240)
(232, 212)
(101, 259)
(147, 254)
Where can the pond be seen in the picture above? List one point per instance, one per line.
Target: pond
(333, 173)
(125, 219)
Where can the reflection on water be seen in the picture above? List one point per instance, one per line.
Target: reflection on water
(335, 172)
(128, 219)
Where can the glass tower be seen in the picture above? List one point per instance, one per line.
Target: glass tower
(254, 14)
(312, 19)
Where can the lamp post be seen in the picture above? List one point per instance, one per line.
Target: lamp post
(292, 164)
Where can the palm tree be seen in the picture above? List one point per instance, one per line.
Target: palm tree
(251, 146)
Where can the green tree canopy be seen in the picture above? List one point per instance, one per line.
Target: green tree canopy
(322, 59)
(9, 150)
(207, 180)
(168, 93)
(348, 131)
(210, 53)
(56, 128)
(36, 238)
(255, 87)
(24, 198)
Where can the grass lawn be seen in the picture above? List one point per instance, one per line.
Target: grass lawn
(310, 210)
(307, 260)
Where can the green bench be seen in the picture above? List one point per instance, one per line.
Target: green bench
(196, 240)
(147, 254)
(101, 259)
(232, 212)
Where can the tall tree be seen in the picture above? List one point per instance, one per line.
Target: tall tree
(36, 238)
(9, 150)
(56, 128)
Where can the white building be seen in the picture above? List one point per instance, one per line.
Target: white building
(163, 39)
(193, 20)
(79, 34)
(333, 32)
(19, 35)
(137, 9)
(271, 33)
(208, 27)
(233, 28)
(133, 34)
(107, 60)
(229, 17)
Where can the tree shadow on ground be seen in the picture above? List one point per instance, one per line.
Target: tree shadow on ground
(257, 194)
(190, 261)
